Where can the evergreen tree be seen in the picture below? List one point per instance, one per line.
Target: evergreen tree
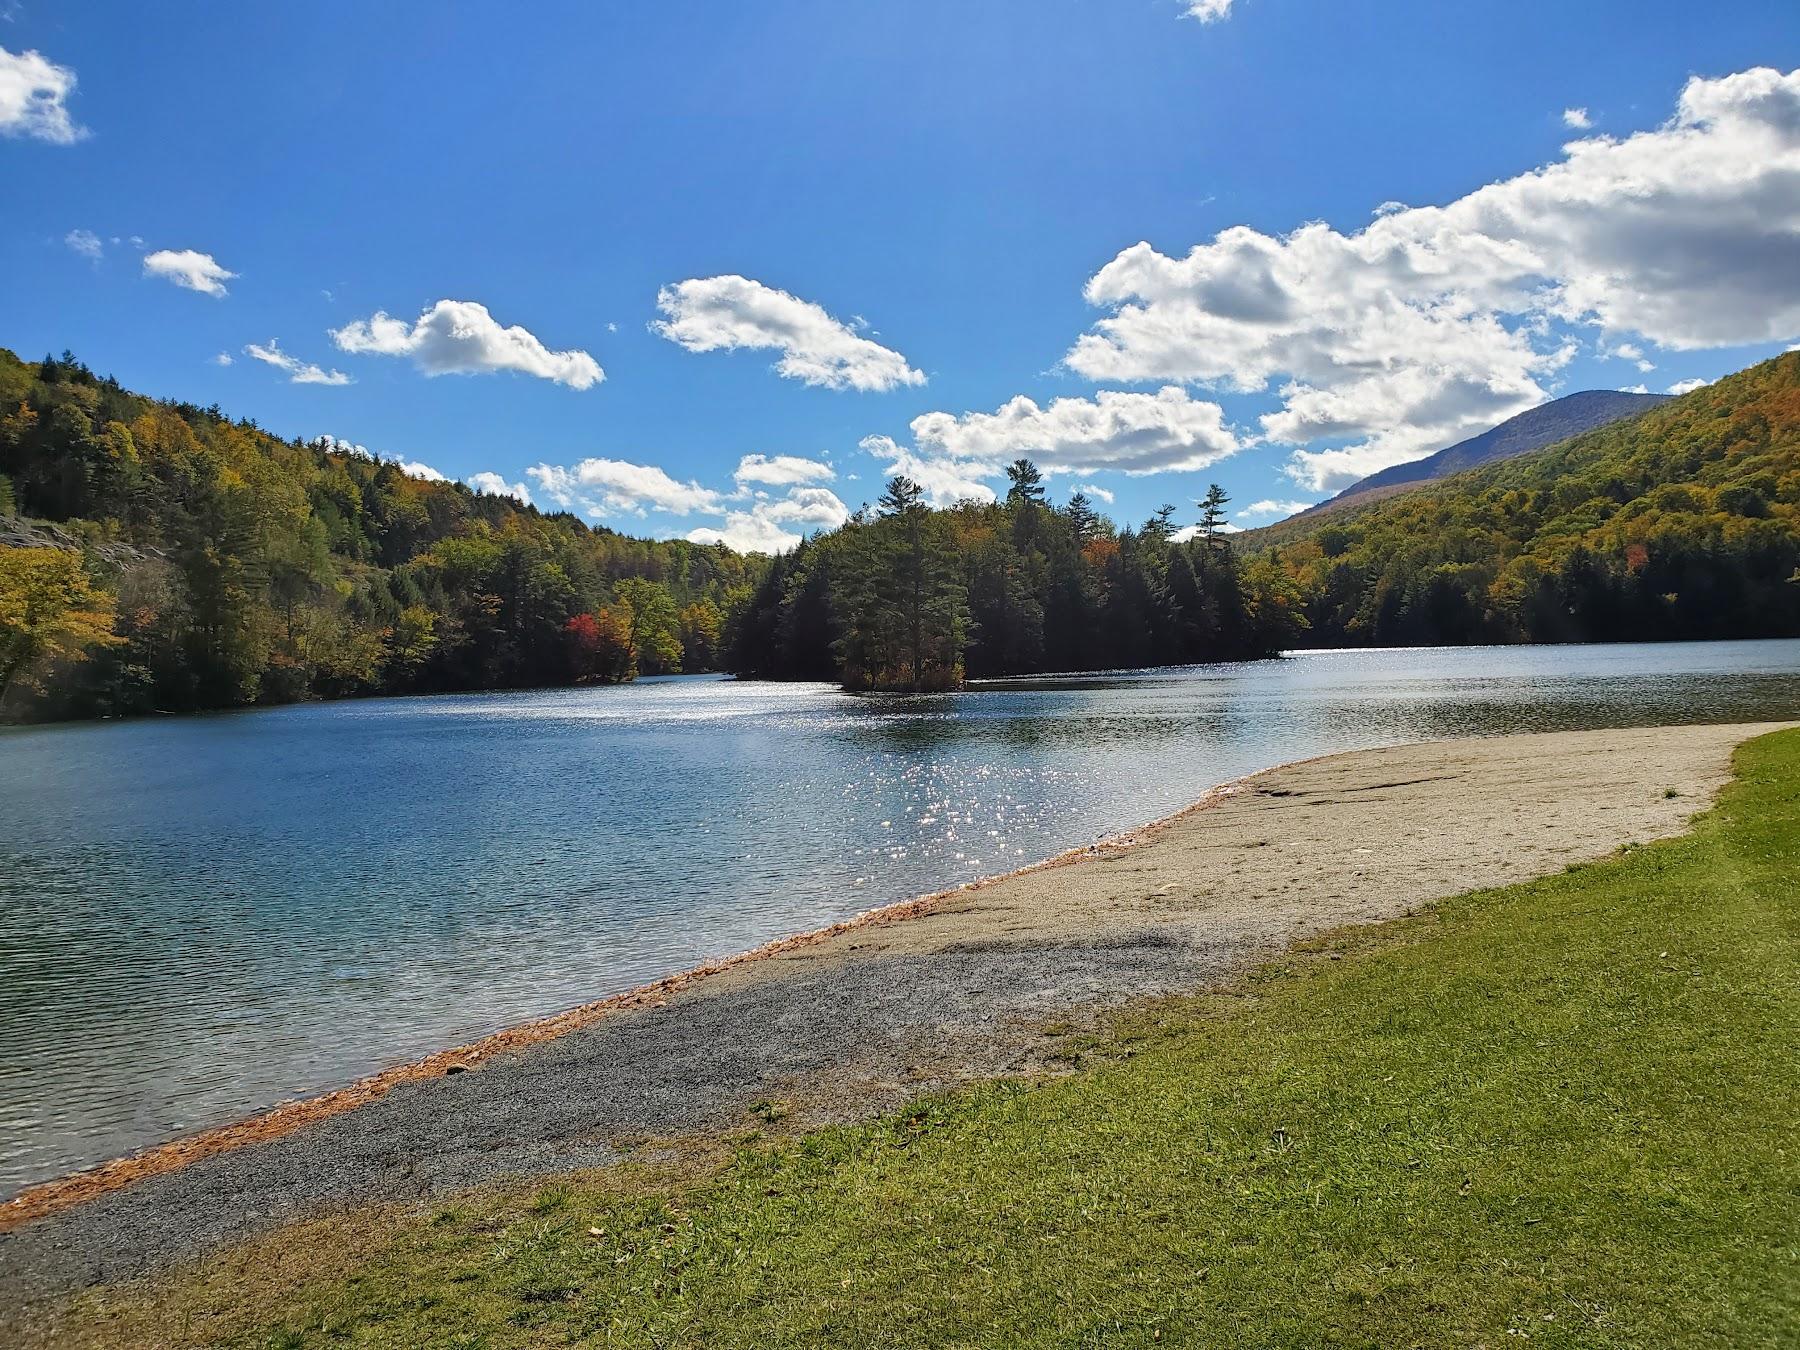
(1024, 483)
(1082, 519)
(905, 598)
(1212, 515)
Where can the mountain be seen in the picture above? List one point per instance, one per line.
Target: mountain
(1681, 522)
(1543, 425)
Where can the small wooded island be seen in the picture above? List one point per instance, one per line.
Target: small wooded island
(160, 557)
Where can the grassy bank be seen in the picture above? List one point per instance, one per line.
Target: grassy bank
(1560, 1114)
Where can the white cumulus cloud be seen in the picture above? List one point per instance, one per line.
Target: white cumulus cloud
(1687, 386)
(1135, 433)
(606, 487)
(1097, 492)
(1577, 119)
(460, 337)
(946, 481)
(86, 243)
(1435, 322)
(1188, 532)
(747, 522)
(408, 466)
(298, 371)
(1132, 433)
(491, 484)
(188, 269)
(709, 314)
(34, 96)
(1271, 509)
(776, 526)
(1120, 431)
(782, 470)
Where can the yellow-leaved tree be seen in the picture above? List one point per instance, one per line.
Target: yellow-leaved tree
(49, 612)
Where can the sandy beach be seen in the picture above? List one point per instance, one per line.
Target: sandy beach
(857, 1018)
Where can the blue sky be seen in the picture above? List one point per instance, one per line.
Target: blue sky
(870, 227)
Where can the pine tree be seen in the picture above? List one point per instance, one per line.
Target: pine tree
(1026, 484)
(905, 597)
(1212, 515)
(1082, 518)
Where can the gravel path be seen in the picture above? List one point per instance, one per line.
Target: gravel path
(860, 1020)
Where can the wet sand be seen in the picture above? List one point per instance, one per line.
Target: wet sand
(856, 1018)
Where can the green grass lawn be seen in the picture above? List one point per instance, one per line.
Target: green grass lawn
(1560, 1114)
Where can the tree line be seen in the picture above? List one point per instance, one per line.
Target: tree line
(909, 598)
(192, 561)
(157, 556)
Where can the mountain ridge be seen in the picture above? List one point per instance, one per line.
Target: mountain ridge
(1533, 429)
(1682, 522)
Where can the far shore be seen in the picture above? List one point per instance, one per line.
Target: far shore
(855, 1018)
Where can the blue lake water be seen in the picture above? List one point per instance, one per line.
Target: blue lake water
(202, 916)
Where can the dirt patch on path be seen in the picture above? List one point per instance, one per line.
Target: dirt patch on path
(857, 1018)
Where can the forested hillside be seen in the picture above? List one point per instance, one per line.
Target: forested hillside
(1681, 523)
(199, 562)
(162, 557)
(1558, 420)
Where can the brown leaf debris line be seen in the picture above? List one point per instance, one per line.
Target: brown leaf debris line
(52, 1197)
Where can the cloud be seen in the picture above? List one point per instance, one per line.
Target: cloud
(746, 532)
(86, 243)
(490, 484)
(763, 528)
(1435, 322)
(1095, 491)
(946, 481)
(1131, 433)
(222, 359)
(1627, 351)
(1134, 433)
(1687, 386)
(1577, 119)
(407, 466)
(188, 269)
(1209, 11)
(460, 337)
(33, 99)
(782, 470)
(1188, 532)
(298, 371)
(1270, 509)
(611, 487)
(605, 487)
(815, 506)
(725, 313)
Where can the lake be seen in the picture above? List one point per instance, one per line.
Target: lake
(202, 916)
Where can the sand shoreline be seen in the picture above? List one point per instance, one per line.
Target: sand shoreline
(855, 1018)
(42, 1199)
